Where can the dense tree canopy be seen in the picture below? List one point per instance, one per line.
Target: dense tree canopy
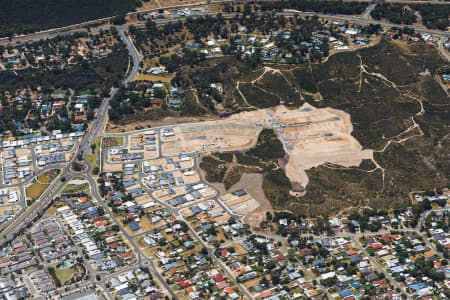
(394, 13)
(27, 16)
(330, 7)
(434, 16)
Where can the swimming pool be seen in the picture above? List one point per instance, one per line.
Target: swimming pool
(63, 266)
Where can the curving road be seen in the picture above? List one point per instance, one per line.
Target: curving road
(97, 130)
(361, 19)
(442, 49)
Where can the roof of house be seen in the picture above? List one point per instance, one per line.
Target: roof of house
(134, 226)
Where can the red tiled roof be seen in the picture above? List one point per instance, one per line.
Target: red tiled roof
(218, 278)
(184, 284)
(376, 245)
(113, 245)
(224, 252)
(222, 284)
(266, 294)
(351, 252)
(279, 257)
(305, 251)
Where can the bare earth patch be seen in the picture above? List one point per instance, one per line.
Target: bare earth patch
(252, 183)
(310, 137)
(314, 137)
(112, 128)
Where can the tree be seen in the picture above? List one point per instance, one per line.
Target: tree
(119, 20)
(100, 211)
(77, 166)
(264, 281)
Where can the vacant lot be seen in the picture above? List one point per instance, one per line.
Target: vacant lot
(41, 183)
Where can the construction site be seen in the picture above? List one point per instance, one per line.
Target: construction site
(310, 137)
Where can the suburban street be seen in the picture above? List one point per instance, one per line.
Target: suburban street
(396, 284)
(364, 18)
(27, 215)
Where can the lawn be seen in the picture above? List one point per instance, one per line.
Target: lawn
(86, 92)
(75, 188)
(92, 158)
(45, 178)
(35, 190)
(64, 275)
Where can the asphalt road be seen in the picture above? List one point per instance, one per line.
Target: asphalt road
(362, 19)
(442, 49)
(69, 29)
(366, 13)
(386, 274)
(97, 128)
(66, 30)
(36, 208)
(133, 53)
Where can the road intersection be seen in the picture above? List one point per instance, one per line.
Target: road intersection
(97, 130)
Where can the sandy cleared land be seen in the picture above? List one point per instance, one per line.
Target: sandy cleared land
(163, 194)
(310, 136)
(252, 183)
(168, 121)
(112, 167)
(3, 209)
(23, 152)
(343, 150)
(143, 199)
(320, 136)
(240, 205)
(226, 135)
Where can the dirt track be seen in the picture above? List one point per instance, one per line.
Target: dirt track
(310, 136)
(317, 136)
